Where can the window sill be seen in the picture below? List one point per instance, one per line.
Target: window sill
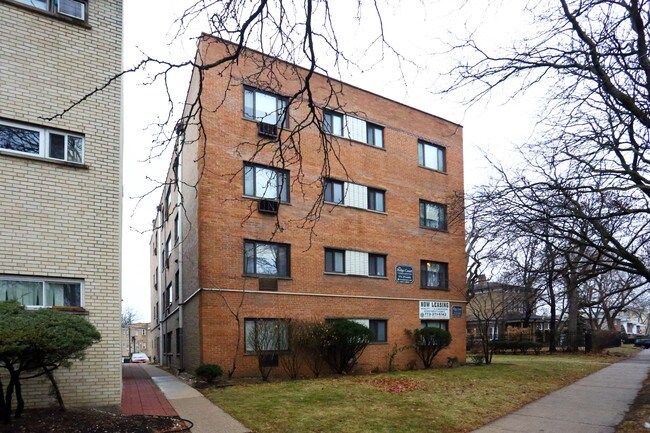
(252, 197)
(81, 311)
(340, 274)
(441, 289)
(273, 277)
(432, 169)
(56, 16)
(255, 121)
(351, 140)
(335, 205)
(434, 230)
(45, 160)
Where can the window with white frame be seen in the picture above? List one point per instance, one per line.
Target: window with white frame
(266, 182)
(344, 125)
(432, 156)
(45, 143)
(266, 335)
(433, 215)
(354, 195)
(70, 8)
(350, 262)
(433, 275)
(265, 107)
(266, 259)
(36, 292)
(168, 250)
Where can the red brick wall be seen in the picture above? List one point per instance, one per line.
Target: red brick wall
(226, 218)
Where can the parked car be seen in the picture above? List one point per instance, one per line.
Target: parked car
(642, 342)
(139, 358)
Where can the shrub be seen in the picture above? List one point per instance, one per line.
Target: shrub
(427, 342)
(345, 342)
(314, 340)
(501, 346)
(477, 358)
(605, 339)
(209, 372)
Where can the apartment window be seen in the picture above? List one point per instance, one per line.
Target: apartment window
(168, 295)
(168, 202)
(156, 311)
(376, 199)
(378, 328)
(433, 275)
(265, 107)
(34, 292)
(441, 324)
(266, 258)
(333, 191)
(266, 182)
(374, 135)
(334, 261)
(70, 8)
(376, 265)
(177, 284)
(433, 215)
(155, 244)
(431, 156)
(168, 250)
(265, 335)
(177, 229)
(45, 143)
(155, 280)
(333, 123)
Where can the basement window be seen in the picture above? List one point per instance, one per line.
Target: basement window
(75, 9)
(36, 292)
(45, 143)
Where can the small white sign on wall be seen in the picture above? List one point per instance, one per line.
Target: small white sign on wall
(434, 310)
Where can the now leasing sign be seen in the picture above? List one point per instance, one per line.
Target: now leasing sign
(434, 310)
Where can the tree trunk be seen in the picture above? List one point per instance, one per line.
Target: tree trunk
(20, 403)
(6, 415)
(55, 386)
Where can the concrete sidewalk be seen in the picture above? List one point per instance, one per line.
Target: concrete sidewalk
(595, 404)
(192, 405)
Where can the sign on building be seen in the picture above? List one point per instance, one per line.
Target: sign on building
(404, 274)
(434, 310)
(456, 311)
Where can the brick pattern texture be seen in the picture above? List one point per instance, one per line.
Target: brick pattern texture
(220, 218)
(58, 220)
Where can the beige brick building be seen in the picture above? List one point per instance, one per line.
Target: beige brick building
(60, 178)
(135, 339)
(234, 256)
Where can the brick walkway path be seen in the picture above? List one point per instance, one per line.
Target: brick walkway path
(140, 395)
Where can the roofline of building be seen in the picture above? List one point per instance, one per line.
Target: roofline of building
(227, 42)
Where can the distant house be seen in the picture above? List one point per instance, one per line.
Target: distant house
(500, 306)
(135, 339)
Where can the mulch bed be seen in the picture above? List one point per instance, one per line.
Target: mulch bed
(91, 421)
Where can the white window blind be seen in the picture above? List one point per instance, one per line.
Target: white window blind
(356, 263)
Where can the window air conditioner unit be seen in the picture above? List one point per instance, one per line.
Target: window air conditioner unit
(267, 130)
(270, 284)
(73, 8)
(268, 206)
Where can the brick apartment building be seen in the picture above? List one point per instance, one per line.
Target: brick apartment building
(382, 253)
(60, 194)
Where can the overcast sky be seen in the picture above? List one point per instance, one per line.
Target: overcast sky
(494, 126)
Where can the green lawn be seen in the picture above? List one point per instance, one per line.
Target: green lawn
(440, 400)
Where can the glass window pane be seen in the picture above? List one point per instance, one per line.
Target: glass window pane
(283, 261)
(63, 294)
(57, 146)
(337, 124)
(283, 179)
(39, 4)
(249, 180)
(430, 156)
(283, 120)
(249, 335)
(266, 108)
(249, 103)
(266, 259)
(381, 266)
(327, 123)
(379, 201)
(421, 153)
(249, 258)
(440, 159)
(339, 262)
(338, 193)
(25, 292)
(266, 184)
(19, 139)
(75, 149)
